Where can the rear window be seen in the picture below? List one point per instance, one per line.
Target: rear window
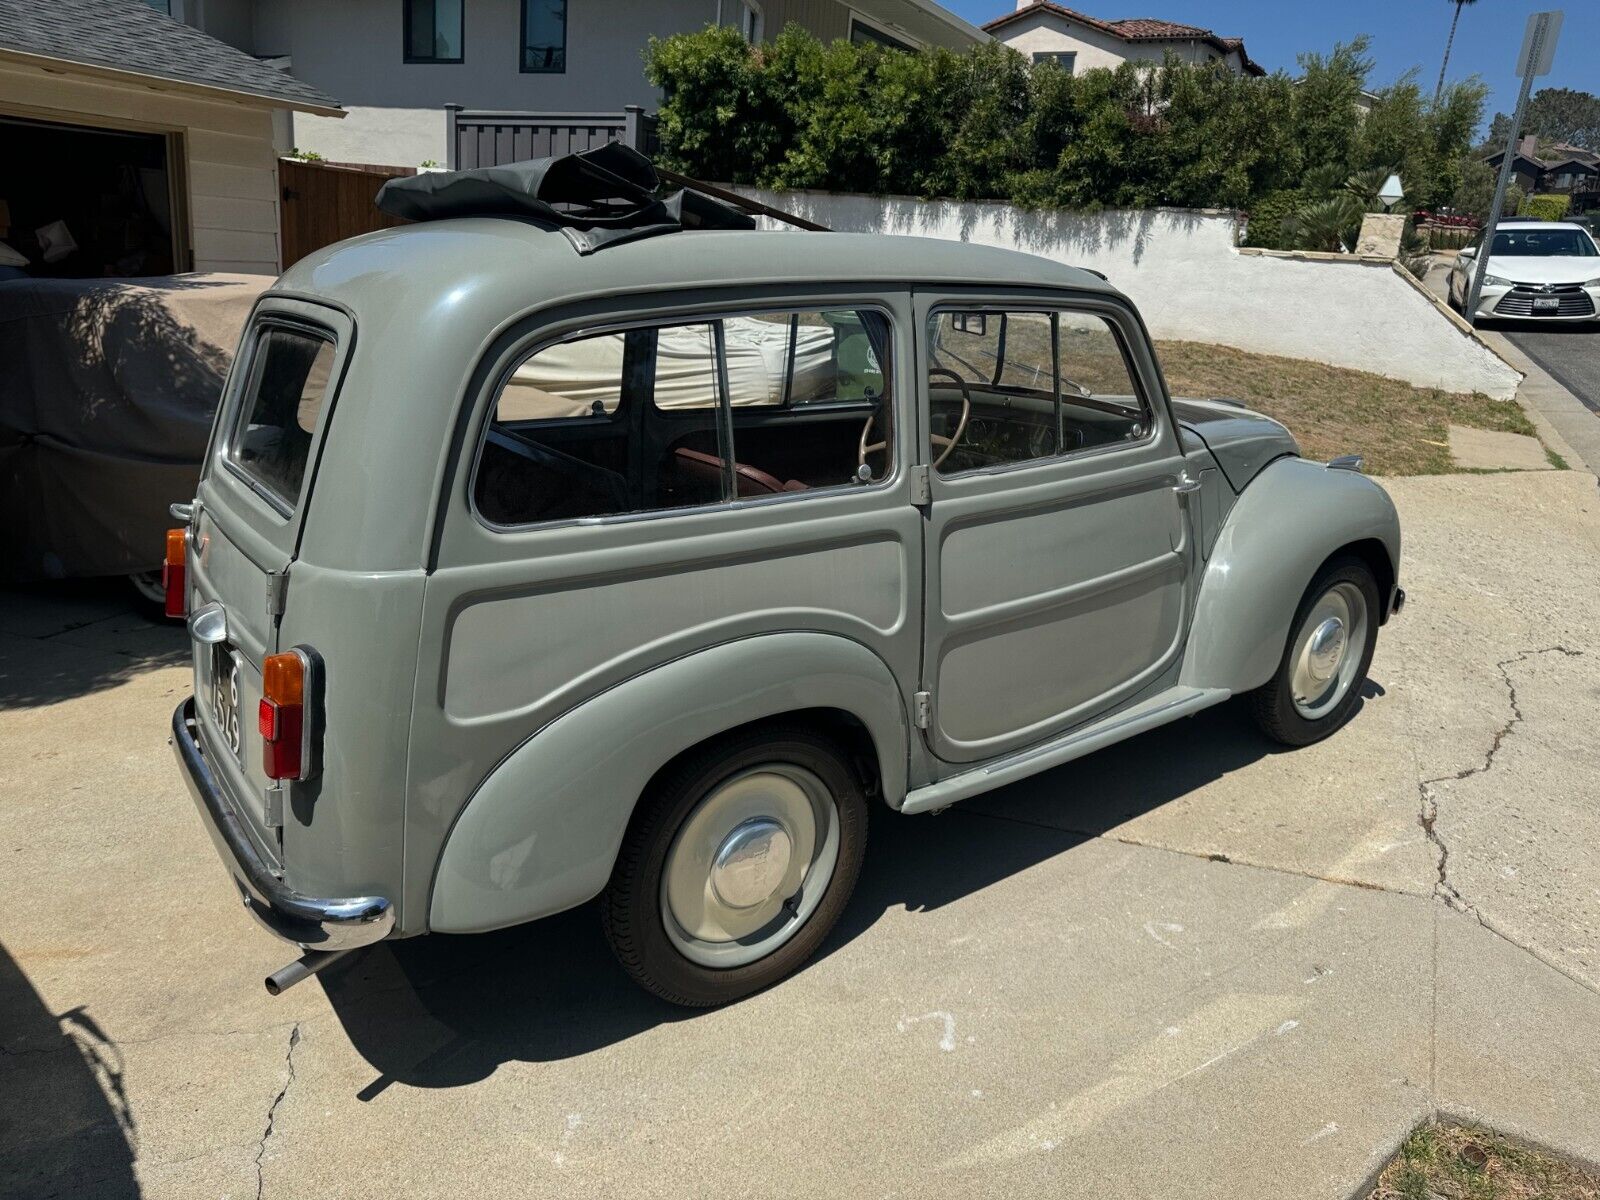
(288, 385)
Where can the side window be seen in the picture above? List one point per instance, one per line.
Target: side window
(287, 388)
(672, 416)
(1008, 386)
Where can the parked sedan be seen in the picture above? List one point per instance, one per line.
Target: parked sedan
(1538, 270)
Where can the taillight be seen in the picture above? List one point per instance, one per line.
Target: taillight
(174, 573)
(286, 685)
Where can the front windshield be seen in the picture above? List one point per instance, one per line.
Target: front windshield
(1544, 243)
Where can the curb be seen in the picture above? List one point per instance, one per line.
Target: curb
(1535, 378)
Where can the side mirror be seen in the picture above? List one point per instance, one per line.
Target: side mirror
(1469, 252)
(975, 323)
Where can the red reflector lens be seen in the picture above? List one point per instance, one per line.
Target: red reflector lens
(281, 716)
(174, 574)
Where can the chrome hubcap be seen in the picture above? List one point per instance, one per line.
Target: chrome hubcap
(1327, 650)
(749, 865)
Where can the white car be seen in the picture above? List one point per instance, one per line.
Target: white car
(1539, 270)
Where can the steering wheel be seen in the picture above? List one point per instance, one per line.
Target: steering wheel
(949, 443)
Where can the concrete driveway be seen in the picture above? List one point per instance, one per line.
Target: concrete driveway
(1189, 965)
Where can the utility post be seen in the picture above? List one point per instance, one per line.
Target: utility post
(1538, 52)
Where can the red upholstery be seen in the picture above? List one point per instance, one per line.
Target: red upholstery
(751, 481)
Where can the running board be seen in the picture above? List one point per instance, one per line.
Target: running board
(1158, 710)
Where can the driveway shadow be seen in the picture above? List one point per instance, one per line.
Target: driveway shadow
(66, 1129)
(444, 1011)
(69, 638)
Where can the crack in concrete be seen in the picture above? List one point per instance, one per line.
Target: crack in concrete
(1428, 817)
(272, 1112)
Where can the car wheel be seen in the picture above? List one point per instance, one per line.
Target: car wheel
(1317, 684)
(736, 866)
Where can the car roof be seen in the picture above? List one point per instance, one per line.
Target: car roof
(527, 265)
(1534, 222)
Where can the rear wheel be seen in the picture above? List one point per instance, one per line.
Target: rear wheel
(737, 865)
(1317, 684)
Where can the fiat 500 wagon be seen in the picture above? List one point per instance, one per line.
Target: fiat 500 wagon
(520, 576)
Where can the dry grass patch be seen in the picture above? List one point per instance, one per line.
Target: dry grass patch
(1447, 1162)
(1400, 429)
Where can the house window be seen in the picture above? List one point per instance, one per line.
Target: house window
(433, 31)
(544, 37)
(863, 34)
(161, 6)
(750, 21)
(1065, 59)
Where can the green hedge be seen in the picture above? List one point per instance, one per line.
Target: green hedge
(795, 113)
(1545, 208)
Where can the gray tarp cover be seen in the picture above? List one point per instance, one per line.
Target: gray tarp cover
(107, 390)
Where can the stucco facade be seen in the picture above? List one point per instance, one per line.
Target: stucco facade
(1036, 29)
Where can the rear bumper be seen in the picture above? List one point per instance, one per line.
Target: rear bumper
(321, 924)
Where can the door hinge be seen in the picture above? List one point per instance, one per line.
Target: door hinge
(921, 486)
(922, 709)
(272, 812)
(277, 589)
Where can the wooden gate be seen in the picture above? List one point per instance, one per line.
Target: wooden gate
(323, 203)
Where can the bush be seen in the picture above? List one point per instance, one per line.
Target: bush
(1268, 218)
(1545, 208)
(989, 125)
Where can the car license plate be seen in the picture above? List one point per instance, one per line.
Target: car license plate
(1547, 304)
(225, 694)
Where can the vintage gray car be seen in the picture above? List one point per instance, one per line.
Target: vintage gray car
(529, 567)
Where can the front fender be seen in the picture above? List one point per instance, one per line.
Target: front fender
(541, 833)
(1291, 518)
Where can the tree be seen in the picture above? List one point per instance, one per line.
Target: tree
(1555, 115)
(1325, 104)
(1454, 21)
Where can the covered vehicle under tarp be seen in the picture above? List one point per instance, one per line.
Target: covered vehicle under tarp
(107, 391)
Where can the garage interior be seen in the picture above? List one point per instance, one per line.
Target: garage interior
(91, 202)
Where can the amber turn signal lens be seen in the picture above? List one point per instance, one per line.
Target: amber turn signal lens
(175, 572)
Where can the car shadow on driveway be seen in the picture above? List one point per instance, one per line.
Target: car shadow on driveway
(444, 1011)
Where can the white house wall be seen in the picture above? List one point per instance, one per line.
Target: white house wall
(1045, 32)
(1191, 283)
(231, 160)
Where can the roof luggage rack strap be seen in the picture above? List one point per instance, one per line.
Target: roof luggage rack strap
(597, 198)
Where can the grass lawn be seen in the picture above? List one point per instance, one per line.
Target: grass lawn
(1449, 1163)
(1399, 429)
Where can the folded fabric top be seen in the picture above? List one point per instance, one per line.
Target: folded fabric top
(597, 198)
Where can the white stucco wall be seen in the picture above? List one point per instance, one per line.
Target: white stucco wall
(392, 137)
(1190, 282)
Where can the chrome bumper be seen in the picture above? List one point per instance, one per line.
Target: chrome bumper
(338, 924)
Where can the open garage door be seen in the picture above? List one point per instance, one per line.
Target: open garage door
(80, 202)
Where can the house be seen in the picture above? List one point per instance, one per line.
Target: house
(1044, 30)
(396, 64)
(135, 145)
(1560, 168)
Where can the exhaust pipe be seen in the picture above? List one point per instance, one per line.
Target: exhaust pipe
(301, 968)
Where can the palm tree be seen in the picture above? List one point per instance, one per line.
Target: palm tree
(1454, 20)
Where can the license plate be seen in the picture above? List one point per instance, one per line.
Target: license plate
(1547, 304)
(225, 694)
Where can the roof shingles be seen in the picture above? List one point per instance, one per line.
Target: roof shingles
(130, 36)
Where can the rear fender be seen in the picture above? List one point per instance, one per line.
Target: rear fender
(1289, 521)
(542, 832)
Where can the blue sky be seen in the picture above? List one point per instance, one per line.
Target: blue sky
(1405, 33)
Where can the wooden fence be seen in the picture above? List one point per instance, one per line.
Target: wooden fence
(323, 203)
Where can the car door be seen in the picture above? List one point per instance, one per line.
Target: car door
(1058, 541)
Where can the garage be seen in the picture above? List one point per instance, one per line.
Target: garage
(95, 203)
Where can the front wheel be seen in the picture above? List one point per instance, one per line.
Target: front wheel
(737, 865)
(1317, 684)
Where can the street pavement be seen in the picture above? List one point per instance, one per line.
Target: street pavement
(1194, 964)
(1570, 354)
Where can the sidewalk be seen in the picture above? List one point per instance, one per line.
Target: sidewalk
(1192, 965)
